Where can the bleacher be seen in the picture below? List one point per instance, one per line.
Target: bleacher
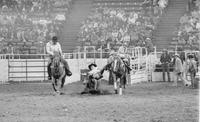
(187, 34)
(26, 26)
(136, 16)
(127, 5)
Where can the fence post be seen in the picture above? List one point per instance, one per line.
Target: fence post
(8, 70)
(44, 68)
(26, 71)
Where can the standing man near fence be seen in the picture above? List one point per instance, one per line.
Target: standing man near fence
(192, 69)
(178, 71)
(165, 59)
(53, 47)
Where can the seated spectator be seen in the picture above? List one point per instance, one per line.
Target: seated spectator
(24, 24)
(188, 31)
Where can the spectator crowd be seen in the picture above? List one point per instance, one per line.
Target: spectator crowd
(188, 33)
(108, 25)
(28, 24)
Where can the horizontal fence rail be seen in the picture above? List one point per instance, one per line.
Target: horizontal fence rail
(78, 55)
(29, 67)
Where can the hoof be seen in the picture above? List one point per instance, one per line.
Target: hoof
(61, 93)
(116, 92)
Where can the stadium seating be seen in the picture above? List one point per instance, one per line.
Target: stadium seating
(26, 25)
(187, 35)
(114, 21)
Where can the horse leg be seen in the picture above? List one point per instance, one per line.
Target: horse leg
(115, 87)
(63, 81)
(53, 84)
(120, 89)
(121, 83)
(124, 81)
(59, 86)
(115, 82)
(54, 87)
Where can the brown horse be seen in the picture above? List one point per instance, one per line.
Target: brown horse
(58, 74)
(118, 71)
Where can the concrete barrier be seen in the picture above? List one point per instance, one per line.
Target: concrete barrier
(35, 69)
(3, 71)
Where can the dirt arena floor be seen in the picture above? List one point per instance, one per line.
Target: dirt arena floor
(144, 102)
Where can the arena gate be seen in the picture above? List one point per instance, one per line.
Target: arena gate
(27, 69)
(139, 65)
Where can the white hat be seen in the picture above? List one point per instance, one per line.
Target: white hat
(176, 54)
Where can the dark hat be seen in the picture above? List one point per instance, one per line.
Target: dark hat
(190, 55)
(92, 64)
(54, 38)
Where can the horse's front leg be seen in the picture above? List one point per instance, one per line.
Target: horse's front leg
(115, 82)
(61, 82)
(124, 79)
(59, 86)
(53, 84)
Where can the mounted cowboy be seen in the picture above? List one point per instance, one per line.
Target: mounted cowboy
(52, 48)
(122, 53)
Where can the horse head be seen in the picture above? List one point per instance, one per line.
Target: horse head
(116, 64)
(56, 61)
(56, 64)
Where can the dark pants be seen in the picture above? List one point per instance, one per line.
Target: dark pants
(165, 68)
(192, 76)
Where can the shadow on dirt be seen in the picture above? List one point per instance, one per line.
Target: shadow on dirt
(40, 94)
(92, 93)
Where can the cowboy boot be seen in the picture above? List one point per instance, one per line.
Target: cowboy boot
(101, 73)
(68, 72)
(49, 71)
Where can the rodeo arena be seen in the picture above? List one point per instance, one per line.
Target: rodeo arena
(99, 60)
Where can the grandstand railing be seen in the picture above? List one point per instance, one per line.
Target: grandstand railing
(77, 55)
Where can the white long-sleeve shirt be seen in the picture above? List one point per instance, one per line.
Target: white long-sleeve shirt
(53, 48)
(122, 51)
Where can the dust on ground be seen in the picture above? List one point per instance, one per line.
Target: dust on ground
(144, 102)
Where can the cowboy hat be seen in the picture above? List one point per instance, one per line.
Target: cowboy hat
(92, 64)
(176, 54)
(190, 55)
(54, 38)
